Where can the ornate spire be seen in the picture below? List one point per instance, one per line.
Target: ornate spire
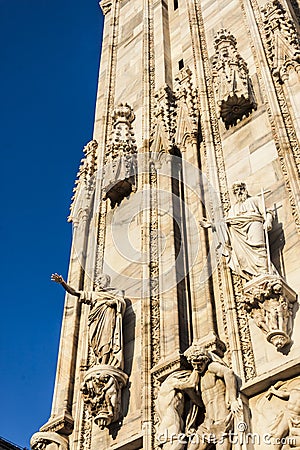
(85, 177)
(282, 40)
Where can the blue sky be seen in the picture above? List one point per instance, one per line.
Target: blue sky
(49, 57)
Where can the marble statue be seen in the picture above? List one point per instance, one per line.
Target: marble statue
(218, 387)
(211, 387)
(242, 239)
(105, 319)
(170, 407)
(247, 222)
(103, 381)
(287, 422)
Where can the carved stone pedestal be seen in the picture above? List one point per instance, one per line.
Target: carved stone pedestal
(62, 424)
(50, 440)
(101, 389)
(270, 301)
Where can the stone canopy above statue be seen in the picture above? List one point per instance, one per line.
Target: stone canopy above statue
(234, 92)
(120, 168)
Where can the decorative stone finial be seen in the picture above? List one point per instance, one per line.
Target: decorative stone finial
(123, 113)
(224, 36)
(85, 183)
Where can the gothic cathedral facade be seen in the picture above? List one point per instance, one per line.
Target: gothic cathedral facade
(181, 322)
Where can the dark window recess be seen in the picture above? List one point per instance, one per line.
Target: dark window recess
(175, 4)
(181, 64)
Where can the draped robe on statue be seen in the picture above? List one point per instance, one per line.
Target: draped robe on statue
(105, 325)
(248, 254)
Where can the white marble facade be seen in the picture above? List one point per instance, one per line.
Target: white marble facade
(194, 97)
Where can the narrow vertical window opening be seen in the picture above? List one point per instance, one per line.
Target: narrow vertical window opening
(181, 64)
(175, 4)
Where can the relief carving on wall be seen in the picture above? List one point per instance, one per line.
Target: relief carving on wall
(210, 389)
(186, 95)
(233, 88)
(287, 422)
(276, 415)
(283, 43)
(104, 380)
(120, 169)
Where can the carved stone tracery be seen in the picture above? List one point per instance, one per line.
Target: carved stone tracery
(283, 43)
(186, 95)
(234, 91)
(199, 37)
(276, 122)
(85, 183)
(164, 123)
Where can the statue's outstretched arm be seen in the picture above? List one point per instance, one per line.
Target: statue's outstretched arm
(59, 279)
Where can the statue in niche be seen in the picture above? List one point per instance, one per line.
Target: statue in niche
(234, 91)
(247, 223)
(287, 422)
(211, 387)
(105, 319)
(104, 380)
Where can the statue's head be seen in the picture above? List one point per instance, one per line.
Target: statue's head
(102, 282)
(198, 357)
(239, 189)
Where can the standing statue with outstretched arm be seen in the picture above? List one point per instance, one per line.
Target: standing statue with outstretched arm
(105, 319)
